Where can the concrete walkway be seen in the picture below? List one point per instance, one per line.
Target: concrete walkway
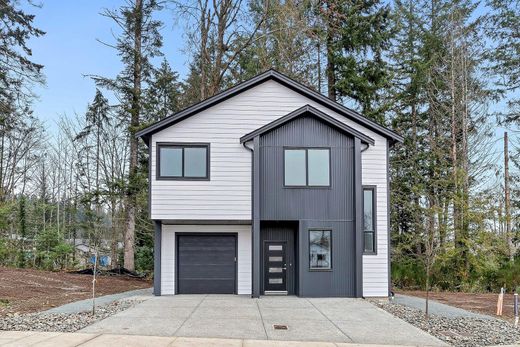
(41, 339)
(86, 305)
(240, 317)
(436, 308)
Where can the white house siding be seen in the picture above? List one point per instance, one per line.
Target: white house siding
(227, 195)
(375, 267)
(168, 253)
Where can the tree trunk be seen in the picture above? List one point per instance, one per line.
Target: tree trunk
(205, 22)
(507, 194)
(2, 143)
(222, 22)
(331, 68)
(426, 312)
(129, 239)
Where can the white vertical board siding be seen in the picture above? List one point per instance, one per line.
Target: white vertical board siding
(227, 195)
(243, 253)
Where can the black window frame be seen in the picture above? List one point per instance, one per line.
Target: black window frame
(306, 149)
(374, 219)
(309, 248)
(183, 146)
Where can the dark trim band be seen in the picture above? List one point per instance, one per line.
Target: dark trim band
(207, 222)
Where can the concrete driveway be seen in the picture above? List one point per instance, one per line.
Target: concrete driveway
(240, 317)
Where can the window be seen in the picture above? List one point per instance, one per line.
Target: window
(183, 161)
(307, 167)
(320, 248)
(369, 219)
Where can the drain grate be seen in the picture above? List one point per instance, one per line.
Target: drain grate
(280, 327)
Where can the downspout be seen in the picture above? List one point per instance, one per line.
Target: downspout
(364, 147)
(252, 213)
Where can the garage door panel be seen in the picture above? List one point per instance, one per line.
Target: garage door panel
(212, 256)
(204, 286)
(206, 264)
(209, 271)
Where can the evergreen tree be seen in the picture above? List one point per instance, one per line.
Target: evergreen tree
(17, 71)
(504, 54)
(163, 95)
(18, 74)
(138, 42)
(439, 108)
(357, 34)
(285, 41)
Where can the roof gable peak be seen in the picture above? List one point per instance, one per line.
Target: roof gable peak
(307, 110)
(270, 74)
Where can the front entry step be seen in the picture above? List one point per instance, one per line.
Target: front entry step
(275, 292)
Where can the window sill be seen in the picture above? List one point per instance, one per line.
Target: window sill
(182, 179)
(370, 253)
(320, 270)
(307, 187)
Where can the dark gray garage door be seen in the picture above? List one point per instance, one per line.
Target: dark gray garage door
(206, 264)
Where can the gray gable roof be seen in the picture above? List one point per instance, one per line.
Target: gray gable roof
(259, 79)
(307, 110)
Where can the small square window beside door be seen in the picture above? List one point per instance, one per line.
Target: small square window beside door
(320, 250)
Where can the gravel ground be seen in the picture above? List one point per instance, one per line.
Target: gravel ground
(458, 331)
(62, 322)
(436, 308)
(86, 305)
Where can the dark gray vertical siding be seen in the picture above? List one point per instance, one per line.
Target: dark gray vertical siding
(341, 280)
(329, 208)
(279, 203)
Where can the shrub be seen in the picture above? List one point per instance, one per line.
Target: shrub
(144, 259)
(408, 273)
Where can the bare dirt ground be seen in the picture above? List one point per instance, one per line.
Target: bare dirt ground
(485, 303)
(29, 290)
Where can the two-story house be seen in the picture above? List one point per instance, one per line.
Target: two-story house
(270, 188)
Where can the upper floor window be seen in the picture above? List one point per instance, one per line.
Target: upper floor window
(369, 219)
(183, 161)
(307, 167)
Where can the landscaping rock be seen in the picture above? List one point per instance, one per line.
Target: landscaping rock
(62, 322)
(458, 331)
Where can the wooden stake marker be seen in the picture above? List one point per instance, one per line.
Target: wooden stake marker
(500, 303)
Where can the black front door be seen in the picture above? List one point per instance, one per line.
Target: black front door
(275, 266)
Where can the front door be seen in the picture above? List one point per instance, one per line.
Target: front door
(275, 266)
